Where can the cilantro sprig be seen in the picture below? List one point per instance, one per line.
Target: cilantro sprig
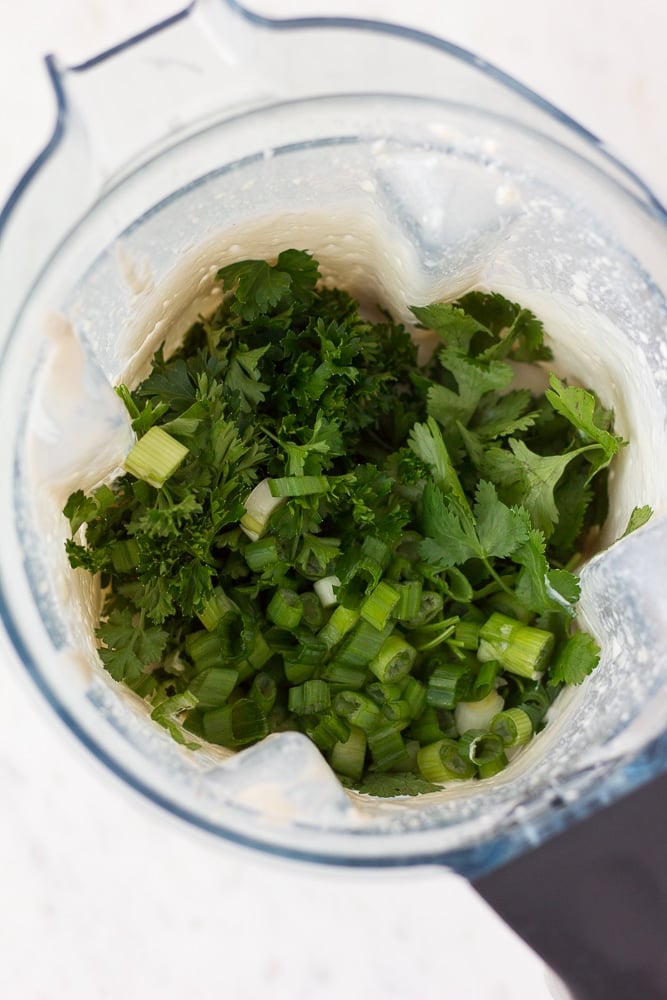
(316, 532)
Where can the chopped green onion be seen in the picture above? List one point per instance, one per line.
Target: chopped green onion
(218, 607)
(447, 685)
(348, 757)
(310, 649)
(329, 730)
(342, 620)
(358, 709)
(212, 687)
(326, 590)
(260, 653)
(313, 610)
(298, 486)
(377, 606)
(382, 693)
(488, 768)
(309, 698)
(514, 726)
(394, 660)
(155, 457)
(264, 691)
(433, 724)
(478, 714)
(262, 554)
(441, 761)
(204, 649)
(414, 693)
(535, 704)
(409, 600)
(430, 606)
(480, 746)
(397, 711)
(285, 608)
(362, 644)
(387, 747)
(429, 636)
(484, 680)
(236, 725)
(466, 634)
(259, 506)
(297, 672)
(345, 675)
(521, 649)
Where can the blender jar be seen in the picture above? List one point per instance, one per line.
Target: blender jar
(413, 172)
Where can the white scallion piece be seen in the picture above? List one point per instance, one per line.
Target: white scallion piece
(259, 507)
(325, 590)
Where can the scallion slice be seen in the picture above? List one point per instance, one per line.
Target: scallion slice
(348, 757)
(342, 620)
(409, 600)
(514, 726)
(217, 608)
(378, 605)
(285, 608)
(155, 457)
(326, 590)
(264, 691)
(212, 687)
(447, 685)
(329, 730)
(298, 486)
(236, 725)
(441, 761)
(259, 506)
(309, 698)
(386, 746)
(394, 660)
(521, 649)
(359, 710)
(478, 714)
(481, 747)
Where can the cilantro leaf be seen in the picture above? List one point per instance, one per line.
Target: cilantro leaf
(500, 528)
(452, 538)
(540, 475)
(638, 518)
(514, 328)
(389, 785)
(539, 589)
(575, 660)
(427, 442)
(580, 407)
(450, 322)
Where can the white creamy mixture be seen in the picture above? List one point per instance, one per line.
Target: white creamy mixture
(80, 432)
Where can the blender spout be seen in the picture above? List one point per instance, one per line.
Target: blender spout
(137, 99)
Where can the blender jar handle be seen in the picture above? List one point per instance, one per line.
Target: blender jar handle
(121, 108)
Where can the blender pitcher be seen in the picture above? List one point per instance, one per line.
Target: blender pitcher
(413, 171)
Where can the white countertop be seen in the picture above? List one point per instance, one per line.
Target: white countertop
(103, 896)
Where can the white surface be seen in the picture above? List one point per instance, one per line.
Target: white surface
(104, 897)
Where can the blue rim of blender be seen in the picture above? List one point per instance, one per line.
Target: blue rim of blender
(479, 857)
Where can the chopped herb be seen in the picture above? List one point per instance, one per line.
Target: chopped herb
(315, 532)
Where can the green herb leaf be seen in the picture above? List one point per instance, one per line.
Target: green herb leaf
(575, 660)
